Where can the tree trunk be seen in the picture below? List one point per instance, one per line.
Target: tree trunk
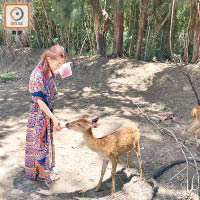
(97, 29)
(170, 32)
(143, 17)
(195, 55)
(118, 29)
(187, 38)
(101, 25)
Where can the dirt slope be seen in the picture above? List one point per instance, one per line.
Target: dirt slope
(110, 89)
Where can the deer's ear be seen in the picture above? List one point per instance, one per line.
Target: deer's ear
(95, 119)
(95, 125)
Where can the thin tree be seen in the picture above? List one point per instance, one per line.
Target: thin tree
(187, 38)
(143, 18)
(171, 29)
(195, 55)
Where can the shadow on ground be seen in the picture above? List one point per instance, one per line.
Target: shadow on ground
(33, 187)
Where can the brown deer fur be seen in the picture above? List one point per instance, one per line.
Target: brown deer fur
(109, 147)
(194, 127)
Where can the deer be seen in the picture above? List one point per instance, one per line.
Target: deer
(111, 146)
(194, 127)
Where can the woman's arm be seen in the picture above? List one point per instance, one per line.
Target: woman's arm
(47, 111)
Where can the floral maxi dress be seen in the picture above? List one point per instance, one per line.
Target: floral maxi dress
(39, 135)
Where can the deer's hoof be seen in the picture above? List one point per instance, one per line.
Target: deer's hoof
(113, 195)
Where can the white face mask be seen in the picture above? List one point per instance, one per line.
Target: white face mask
(65, 70)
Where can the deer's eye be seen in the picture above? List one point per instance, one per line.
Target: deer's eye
(79, 124)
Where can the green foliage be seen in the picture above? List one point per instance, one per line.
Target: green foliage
(71, 24)
(1, 37)
(175, 109)
(169, 78)
(163, 106)
(131, 25)
(1, 23)
(191, 102)
(7, 76)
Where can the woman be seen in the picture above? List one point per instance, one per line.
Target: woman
(39, 152)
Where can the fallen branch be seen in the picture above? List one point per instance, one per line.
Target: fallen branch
(168, 166)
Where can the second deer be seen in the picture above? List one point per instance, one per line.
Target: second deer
(109, 147)
(194, 127)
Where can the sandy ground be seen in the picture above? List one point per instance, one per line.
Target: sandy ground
(110, 89)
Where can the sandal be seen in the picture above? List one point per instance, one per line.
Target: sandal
(55, 177)
(41, 179)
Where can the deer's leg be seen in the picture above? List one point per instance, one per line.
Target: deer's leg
(128, 159)
(113, 173)
(195, 136)
(136, 147)
(103, 170)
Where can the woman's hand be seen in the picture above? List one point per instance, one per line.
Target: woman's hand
(56, 124)
(44, 108)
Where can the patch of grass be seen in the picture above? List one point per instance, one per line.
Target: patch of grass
(8, 76)
(78, 105)
(169, 78)
(175, 109)
(191, 102)
(163, 106)
(84, 196)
